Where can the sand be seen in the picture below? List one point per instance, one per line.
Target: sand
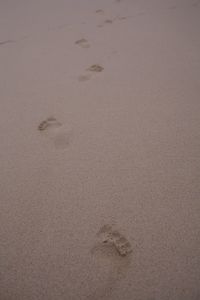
(100, 128)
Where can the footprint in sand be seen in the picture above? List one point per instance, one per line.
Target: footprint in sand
(92, 69)
(110, 21)
(99, 11)
(111, 236)
(95, 68)
(107, 21)
(83, 43)
(113, 253)
(49, 122)
(55, 131)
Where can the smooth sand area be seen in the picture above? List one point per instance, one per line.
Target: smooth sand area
(99, 150)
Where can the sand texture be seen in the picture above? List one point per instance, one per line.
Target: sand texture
(99, 150)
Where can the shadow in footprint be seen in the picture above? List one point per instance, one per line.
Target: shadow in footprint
(55, 131)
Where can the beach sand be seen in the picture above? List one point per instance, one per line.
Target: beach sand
(100, 150)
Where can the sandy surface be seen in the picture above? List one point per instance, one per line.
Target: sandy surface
(120, 82)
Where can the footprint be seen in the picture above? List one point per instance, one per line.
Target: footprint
(55, 131)
(99, 11)
(49, 122)
(92, 69)
(83, 43)
(113, 252)
(95, 68)
(108, 21)
(109, 235)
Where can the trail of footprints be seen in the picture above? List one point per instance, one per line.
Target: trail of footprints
(83, 43)
(117, 247)
(51, 127)
(54, 130)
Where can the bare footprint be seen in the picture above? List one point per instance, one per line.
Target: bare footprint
(92, 69)
(99, 11)
(83, 43)
(108, 21)
(55, 131)
(109, 235)
(95, 68)
(112, 251)
(49, 122)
